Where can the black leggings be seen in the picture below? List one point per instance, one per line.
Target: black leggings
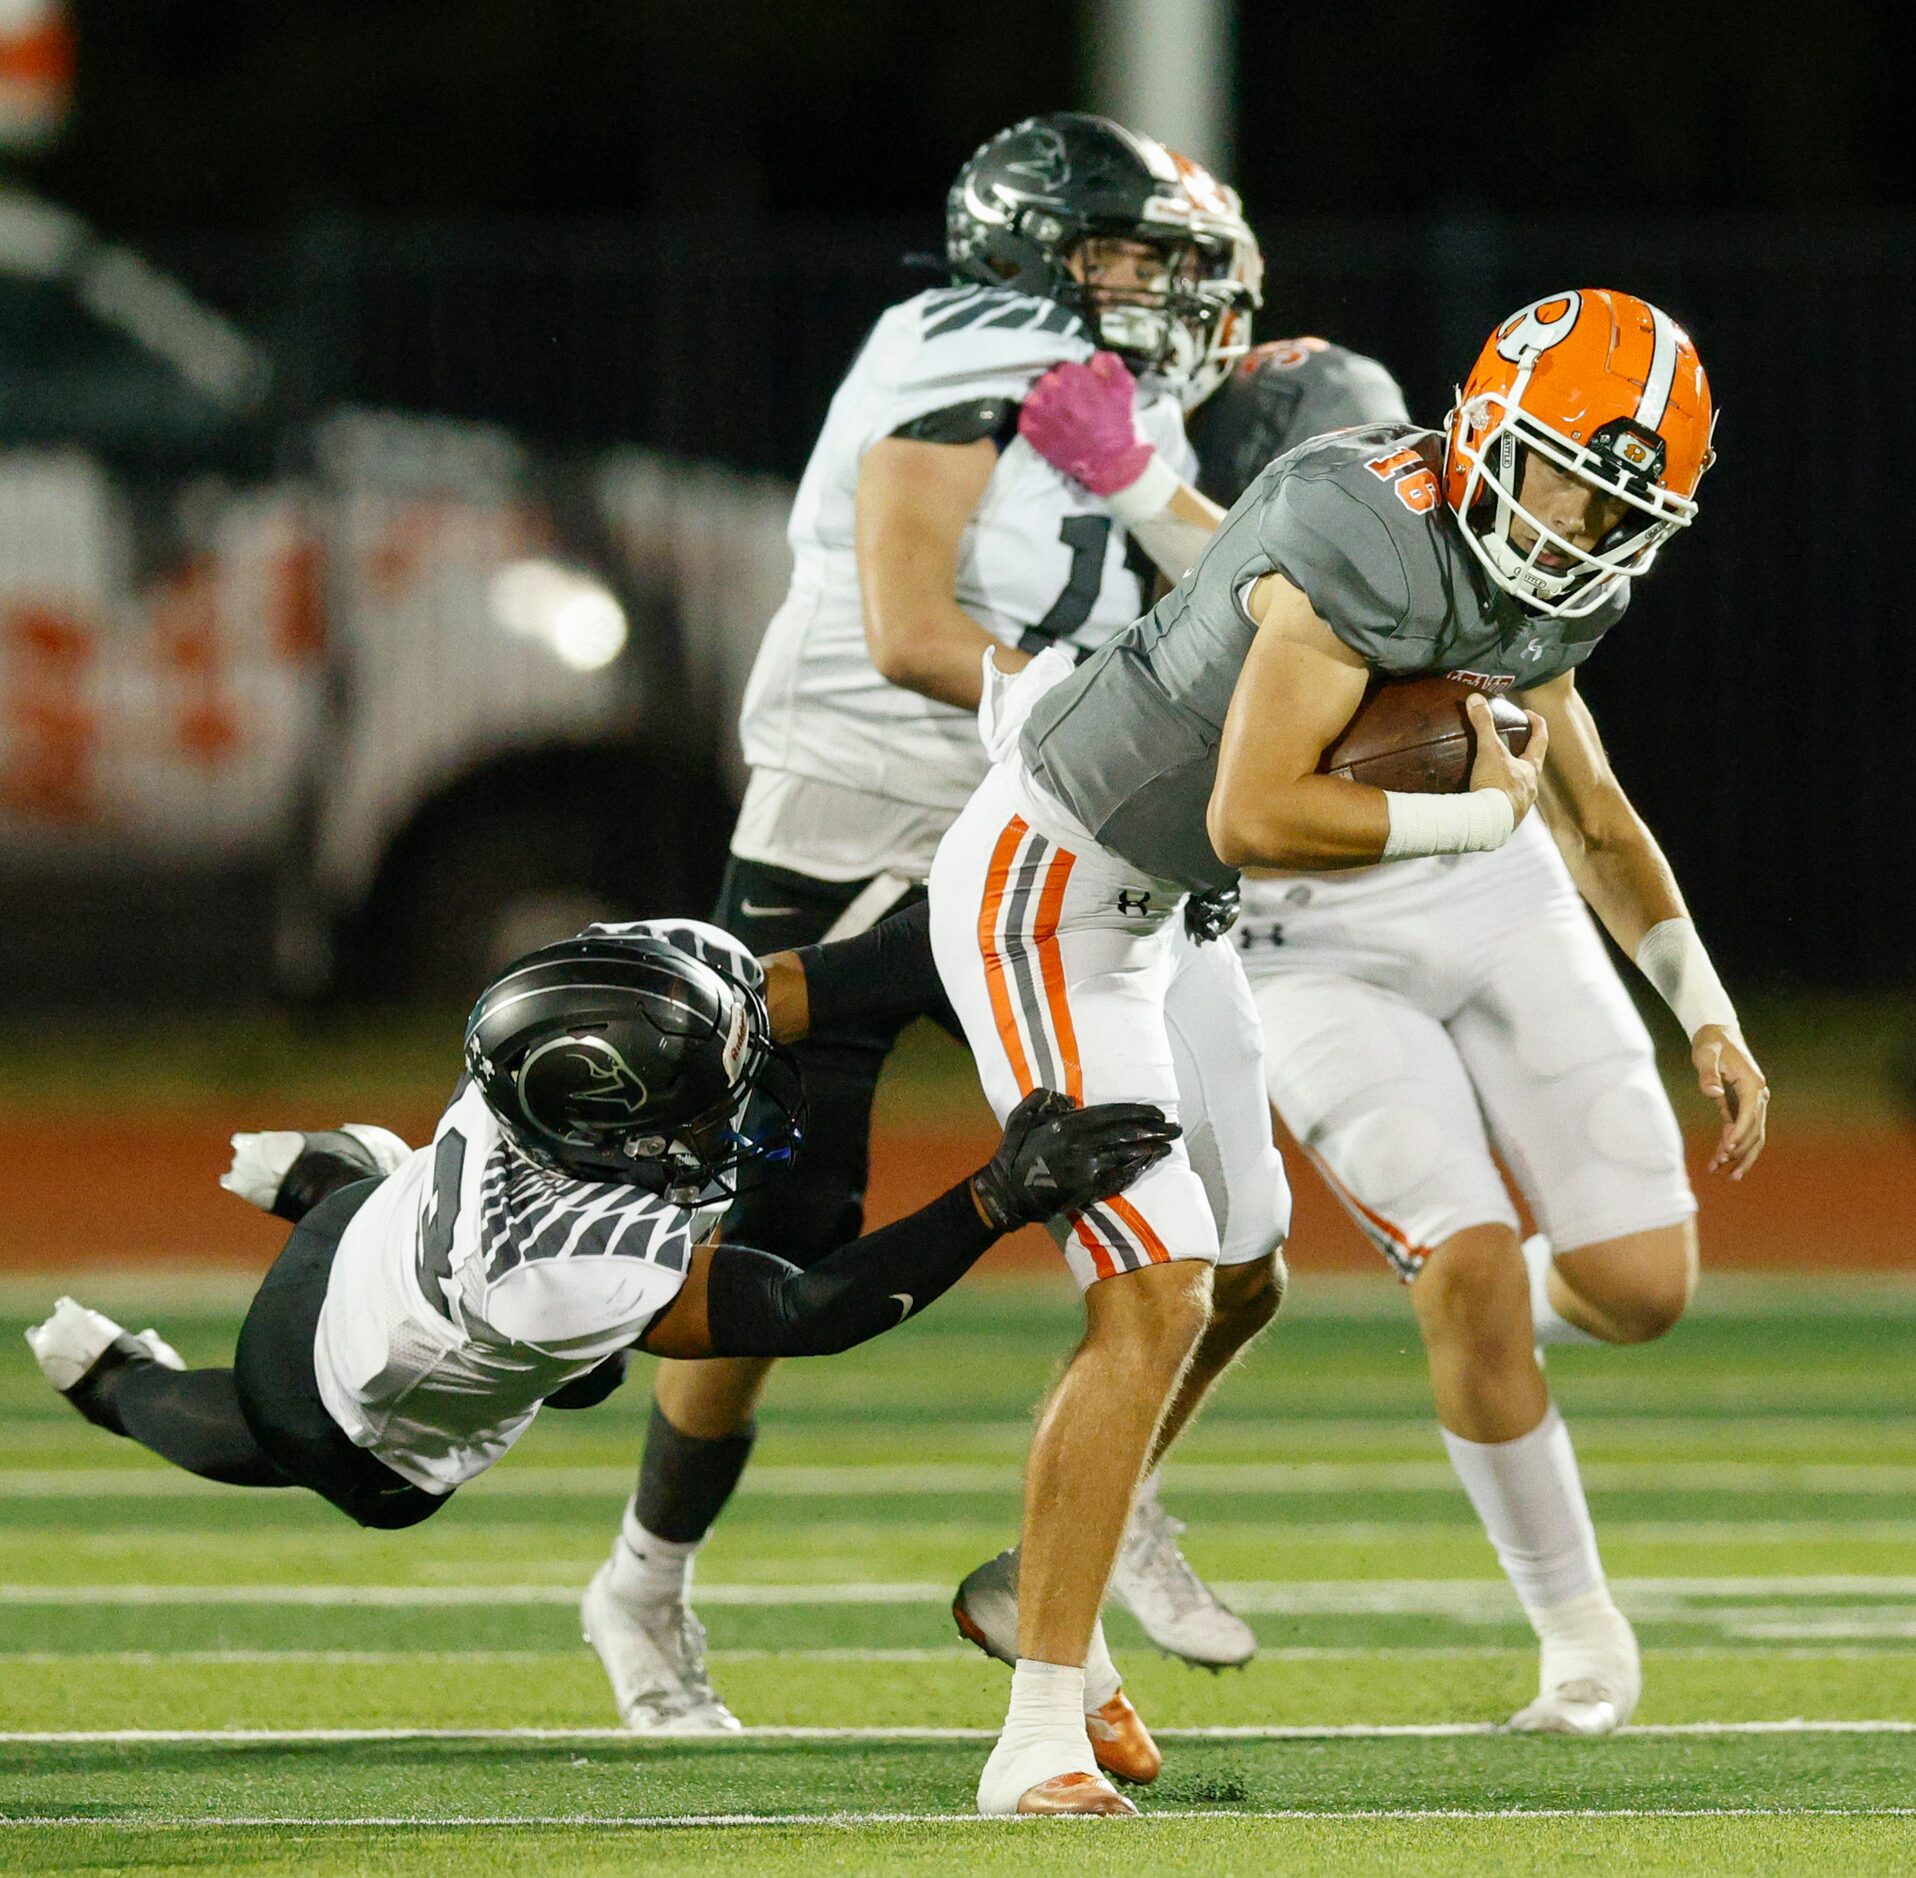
(262, 1422)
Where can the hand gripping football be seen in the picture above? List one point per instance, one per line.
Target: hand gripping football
(1414, 734)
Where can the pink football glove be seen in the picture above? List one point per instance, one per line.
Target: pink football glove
(1080, 419)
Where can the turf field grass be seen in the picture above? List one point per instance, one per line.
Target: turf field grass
(199, 1678)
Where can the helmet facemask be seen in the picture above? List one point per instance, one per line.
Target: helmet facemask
(1187, 323)
(1490, 437)
(744, 1138)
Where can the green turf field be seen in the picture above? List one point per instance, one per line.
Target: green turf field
(198, 1678)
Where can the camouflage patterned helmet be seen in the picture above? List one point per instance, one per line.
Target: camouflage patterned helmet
(1027, 198)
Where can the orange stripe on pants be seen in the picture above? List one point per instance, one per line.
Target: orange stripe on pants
(1153, 1246)
(1002, 857)
(1411, 1253)
(1102, 1261)
(1051, 970)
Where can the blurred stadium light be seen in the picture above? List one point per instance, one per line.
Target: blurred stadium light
(1169, 66)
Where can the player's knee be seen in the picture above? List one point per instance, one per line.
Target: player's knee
(1640, 1284)
(1473, 1296)
(1245, 1298)
(1654, 1304)
(1155, 1316)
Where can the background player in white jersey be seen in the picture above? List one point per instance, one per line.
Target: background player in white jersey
(428, 1304)
(1190, 747)
(1411, 1015)
(925, 530)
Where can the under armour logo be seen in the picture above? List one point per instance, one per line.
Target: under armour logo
(1133, 900)
(1533, 649)
(1271, 934)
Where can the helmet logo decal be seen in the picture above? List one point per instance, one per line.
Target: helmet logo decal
(1046, 164)
(587, 1079)
(1541, 325)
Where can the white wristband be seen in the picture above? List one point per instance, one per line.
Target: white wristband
(1467, 824)
(1147, 498)
(1672, 957)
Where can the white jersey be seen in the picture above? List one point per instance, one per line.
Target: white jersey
(472, 1283)
(1042, 560)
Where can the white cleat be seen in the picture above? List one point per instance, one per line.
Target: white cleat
(1584, 1707)
(655, 1657)
(1177, 1610)
(74, 1341)
(262, 1162)
(1592, 1675)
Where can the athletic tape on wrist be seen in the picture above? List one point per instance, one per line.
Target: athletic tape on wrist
(1471, 823)
(1147, 498)
(1672, 958)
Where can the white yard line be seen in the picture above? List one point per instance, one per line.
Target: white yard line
(159, 1659)
(1301, 1598)
(1353, 1731)
(936, 1479)
(626, 1822)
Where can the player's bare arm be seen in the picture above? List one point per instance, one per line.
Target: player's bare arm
(1621, 870)
(1299, 687)
(914, 503)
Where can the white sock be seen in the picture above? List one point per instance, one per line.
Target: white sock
(1101, 1678)
(1548, 1323)
(647, 1569)
(1529, 1496)
(1043, 1735)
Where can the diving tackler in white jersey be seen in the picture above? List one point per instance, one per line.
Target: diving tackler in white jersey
(429, 1303)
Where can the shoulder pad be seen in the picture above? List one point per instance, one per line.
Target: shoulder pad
(1281, 395)
(1337, 530)
(996, 418)
(963, 346)
(949, 310)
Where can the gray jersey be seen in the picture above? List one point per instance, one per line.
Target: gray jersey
(1282, 394)
(1357, 522)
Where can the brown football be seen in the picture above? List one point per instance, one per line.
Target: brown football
(1413, 734)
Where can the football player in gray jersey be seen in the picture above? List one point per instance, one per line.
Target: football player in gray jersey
(1189, 748)
(1414, 1013)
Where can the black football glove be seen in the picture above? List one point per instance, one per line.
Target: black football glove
(1211, 914)
(1058, 1158)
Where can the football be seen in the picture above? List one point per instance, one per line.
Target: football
(1414, 734)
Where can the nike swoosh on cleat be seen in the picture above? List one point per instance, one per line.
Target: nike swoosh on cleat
(904, 1300)
(764, 912)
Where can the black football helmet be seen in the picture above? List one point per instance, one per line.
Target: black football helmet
(1028, 197)
(619, 1057)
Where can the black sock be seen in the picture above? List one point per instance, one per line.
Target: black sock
(685, 1480)
(190, 1417)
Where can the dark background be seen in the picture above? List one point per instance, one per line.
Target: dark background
(229, 112)
(610, 221)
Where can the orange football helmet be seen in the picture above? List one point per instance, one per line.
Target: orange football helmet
(1606, 387)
